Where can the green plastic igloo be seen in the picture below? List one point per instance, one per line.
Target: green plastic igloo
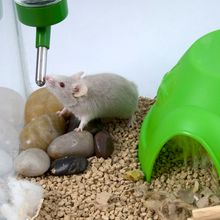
(188, 104)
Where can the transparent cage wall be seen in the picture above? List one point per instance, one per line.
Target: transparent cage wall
(10, 62)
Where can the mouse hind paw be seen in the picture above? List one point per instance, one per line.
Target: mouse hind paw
(83, 123)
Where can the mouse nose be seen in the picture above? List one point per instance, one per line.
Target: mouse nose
(46, 78)
(49, 81)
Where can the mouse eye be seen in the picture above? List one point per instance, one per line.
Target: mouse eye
(62, 84)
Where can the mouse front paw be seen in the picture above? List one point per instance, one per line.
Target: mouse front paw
(59, 113)
(64, 112)
(78, 129)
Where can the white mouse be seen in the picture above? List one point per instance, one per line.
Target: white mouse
(103, 95)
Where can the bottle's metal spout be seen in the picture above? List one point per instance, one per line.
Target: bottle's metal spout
(41, 14)
(41, 66)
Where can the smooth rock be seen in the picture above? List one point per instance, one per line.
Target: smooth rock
(41, 102)
(9, 138)
(6, 164)
(73, 143)
(94, 126)
(69, 165)
(39, 133)
(12, 107)
(103, 144)
(32, 162)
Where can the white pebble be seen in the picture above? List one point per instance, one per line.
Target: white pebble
(32, 162)
(12, 107)
(6, 163)
(9, 141)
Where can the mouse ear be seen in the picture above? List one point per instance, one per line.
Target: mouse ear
(78, 75)
(79, 89)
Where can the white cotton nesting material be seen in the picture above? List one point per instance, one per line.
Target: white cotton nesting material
(25, 199)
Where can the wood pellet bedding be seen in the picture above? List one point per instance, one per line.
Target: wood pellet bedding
(102, 192)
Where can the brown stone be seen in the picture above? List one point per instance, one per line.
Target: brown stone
(103, 144)
(40, 132)
(41, 102)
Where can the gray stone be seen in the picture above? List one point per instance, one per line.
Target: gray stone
(6, 164)
(73, 143)
(12, 107)
(9, 141)
(32, 162)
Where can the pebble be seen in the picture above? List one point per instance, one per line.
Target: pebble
(41, 102)
(72, 143)
(103, 144)
(39, 133)
(12, 107)
(6, 164)
(32, 162)
(9, 138)
(69, 165)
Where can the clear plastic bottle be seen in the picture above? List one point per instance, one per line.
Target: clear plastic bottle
(10, 59)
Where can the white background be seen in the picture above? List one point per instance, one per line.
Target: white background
(139, 39)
